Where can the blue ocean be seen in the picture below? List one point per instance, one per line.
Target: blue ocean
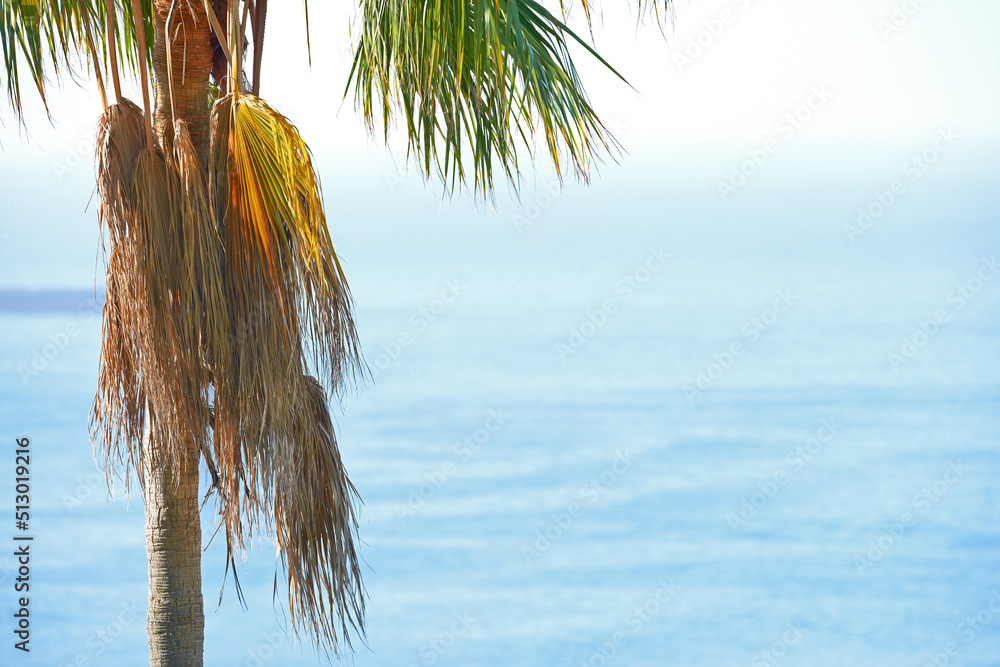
(631, 424)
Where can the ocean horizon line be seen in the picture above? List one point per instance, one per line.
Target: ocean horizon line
(50, 300)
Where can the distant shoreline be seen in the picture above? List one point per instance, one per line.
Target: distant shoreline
(49, 301)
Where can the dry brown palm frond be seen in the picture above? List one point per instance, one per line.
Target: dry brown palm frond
(284, 287)
(119, 406)
(120, 138)
(172, 365)
(166, 323)
(316, 525)
(220, 302)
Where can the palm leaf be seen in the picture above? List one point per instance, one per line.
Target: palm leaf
(35, 33)
(660, 10)
(271, 208)
(166, 325)
(316, 526)
(119, 406)
(479, 76)
(290, 310)
(42, 40)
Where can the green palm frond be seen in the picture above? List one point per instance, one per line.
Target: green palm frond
(36, 34)
(46, 39)
(661, 11)
(480, 76)
(128, 44)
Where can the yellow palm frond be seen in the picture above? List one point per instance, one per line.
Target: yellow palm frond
(269, 199)
(290, 310)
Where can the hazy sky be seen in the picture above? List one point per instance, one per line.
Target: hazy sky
(883, 77)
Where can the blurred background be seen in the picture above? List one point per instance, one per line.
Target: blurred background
(733, 402)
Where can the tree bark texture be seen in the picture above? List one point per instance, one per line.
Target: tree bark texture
(176, 614)
(191, 64)
(176, 617)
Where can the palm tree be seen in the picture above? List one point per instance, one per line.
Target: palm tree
(228, 320)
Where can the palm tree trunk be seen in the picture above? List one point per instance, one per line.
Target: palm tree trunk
(176, 617)
(191, 56)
